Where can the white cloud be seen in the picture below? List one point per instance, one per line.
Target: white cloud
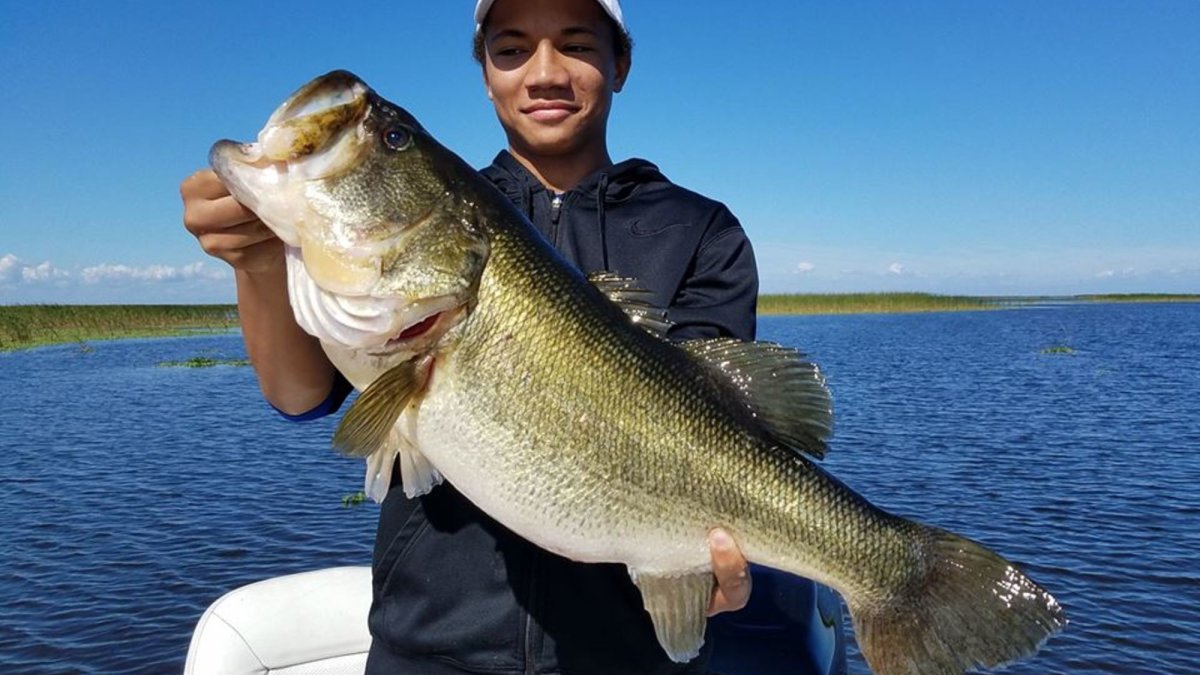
(9, 266)
(1112, 273)
(201, 270)
(201, 281)
(804, 267)
(97, 273)
(42, 272)
(896, 269)
(13, 269)
(197, 270)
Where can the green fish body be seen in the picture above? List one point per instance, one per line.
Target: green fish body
(488, 361)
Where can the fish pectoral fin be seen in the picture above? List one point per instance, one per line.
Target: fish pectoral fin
(785, 393)
(633, 299)
(366, 425)
(678, 607)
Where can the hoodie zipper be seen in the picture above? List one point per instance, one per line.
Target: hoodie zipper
(555, 207)
(531, 656)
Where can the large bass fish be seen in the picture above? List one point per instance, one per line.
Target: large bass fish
(485, 359)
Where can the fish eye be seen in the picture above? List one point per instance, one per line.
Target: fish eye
(397, 138)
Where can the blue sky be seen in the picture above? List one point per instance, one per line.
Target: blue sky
(1007, 147)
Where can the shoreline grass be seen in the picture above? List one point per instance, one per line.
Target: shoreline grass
(871, 303)
(24, 326)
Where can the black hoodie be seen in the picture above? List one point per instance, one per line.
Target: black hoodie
(457, 592)
(688, 250)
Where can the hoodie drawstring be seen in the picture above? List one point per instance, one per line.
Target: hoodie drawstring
(601, 191)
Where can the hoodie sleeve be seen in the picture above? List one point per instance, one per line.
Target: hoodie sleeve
(719, 295)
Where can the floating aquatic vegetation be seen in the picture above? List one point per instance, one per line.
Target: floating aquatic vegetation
(353, 499)
(1058, 349)
(203, 362)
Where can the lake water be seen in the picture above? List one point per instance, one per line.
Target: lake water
(132, 496)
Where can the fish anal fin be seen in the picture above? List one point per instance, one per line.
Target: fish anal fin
(784, 392)
(634, 299)
(365, 427)
(678, 607)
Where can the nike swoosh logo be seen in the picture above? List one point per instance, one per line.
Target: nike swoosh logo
(638, 229)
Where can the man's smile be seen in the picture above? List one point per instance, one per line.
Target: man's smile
(550, 111)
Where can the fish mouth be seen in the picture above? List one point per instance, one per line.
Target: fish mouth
(314, 134)
(309, 121)
(314, 116)
(330, 91)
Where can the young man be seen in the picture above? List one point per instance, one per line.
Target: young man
(454, 590)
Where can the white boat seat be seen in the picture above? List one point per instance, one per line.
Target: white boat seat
(312, 623)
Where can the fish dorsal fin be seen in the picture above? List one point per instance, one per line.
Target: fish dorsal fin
(786, 393)
(678, 607)
(633, 298)
(366, 425)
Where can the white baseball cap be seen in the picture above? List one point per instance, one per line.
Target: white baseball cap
(611, 7)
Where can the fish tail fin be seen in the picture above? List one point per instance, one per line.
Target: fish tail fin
(971, 608)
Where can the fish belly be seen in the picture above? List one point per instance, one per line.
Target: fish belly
(538, 490)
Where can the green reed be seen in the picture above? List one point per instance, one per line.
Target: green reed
(861, 303)
(33, 325)
(24, 326)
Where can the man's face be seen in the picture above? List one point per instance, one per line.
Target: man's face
(551, 72)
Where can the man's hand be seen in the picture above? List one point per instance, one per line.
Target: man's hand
(732, 589)
(226, 229)
(293, 372)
